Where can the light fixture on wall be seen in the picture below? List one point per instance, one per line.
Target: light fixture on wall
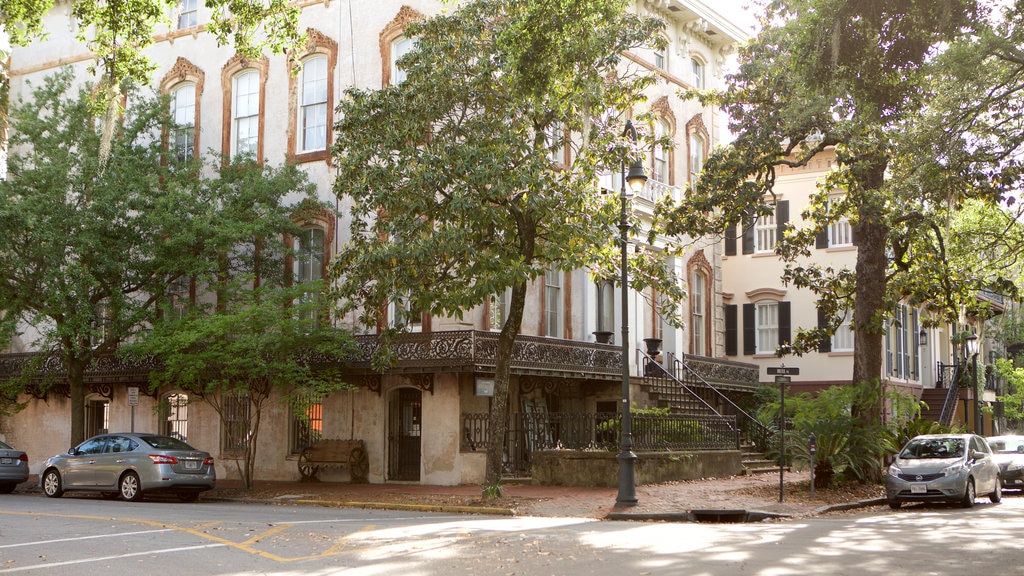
(922, 337)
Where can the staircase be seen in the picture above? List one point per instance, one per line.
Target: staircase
(935, 399)
(684, 391)
(755, 462)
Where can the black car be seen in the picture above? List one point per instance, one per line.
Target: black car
(1008, 451)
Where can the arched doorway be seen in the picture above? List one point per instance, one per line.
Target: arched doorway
(405, 419)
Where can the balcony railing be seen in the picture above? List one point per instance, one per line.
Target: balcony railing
(477, 351)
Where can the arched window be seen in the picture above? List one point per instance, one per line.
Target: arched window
(313, 104)
(698, 312)
(697, 147)
(394, 44)
(174, 415)
(660, 154)
(697, 72)
(183, 112)
(245, 113)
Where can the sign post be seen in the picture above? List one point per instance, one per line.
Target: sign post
(782, 374)
(133, 401)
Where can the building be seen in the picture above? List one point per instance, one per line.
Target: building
(762, 313)
(420, 421)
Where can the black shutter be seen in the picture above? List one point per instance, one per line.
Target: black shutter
(730, 242)
(748, 237)
(785, 324)
(821, 239)
(825, 346)
(731, 331)
(781, 218)
(749, 336)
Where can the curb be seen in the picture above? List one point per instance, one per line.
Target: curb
(734, 516)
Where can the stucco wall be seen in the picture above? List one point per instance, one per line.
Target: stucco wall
(574, 468)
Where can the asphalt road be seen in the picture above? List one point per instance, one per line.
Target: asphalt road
(93, 536)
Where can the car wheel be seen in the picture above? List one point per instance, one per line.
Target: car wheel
(52, 484)
(7, 488)
(895, 504)
(130, 488)
(969, 494)
(188, 496)
(997, 495)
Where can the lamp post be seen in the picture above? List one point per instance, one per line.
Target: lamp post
(972, 349)
(627, 459)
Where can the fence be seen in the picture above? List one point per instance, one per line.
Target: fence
(530, 432)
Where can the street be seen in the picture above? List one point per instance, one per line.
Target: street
(86, 535)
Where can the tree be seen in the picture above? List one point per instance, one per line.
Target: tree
(262, 332)
(85, 253)
(234, 359)
(853, 76)
(454, 194)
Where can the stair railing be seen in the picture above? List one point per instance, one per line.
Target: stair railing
(683, 376)
(949, 405)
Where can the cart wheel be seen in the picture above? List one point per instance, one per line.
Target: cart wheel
(307, 468)
(359, 465)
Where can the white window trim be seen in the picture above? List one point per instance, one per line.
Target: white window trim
(317, 104)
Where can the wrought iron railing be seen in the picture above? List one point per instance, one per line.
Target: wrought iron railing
(531, 432)
(477, 350)
(952, 382)
(684, 383)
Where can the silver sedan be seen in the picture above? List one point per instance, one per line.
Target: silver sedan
(13, 468)
(943, 468)
(130, 465)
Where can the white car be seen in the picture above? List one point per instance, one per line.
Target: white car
(943, 468)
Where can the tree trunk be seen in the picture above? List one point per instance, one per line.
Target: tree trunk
(497, 422)
(76, 388)
(871, 233)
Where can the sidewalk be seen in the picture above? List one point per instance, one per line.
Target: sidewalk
(738, 498)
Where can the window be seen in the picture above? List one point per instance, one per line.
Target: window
(183, 113)
(902, 353)
(309, 256)
(556, 143)
(188, 14)
(840, 233)
(765, 231)
(842, 339)
(235, 422)
(307, 423)
(697, 145)
(698, 312)
(174, 416)
(100, 324)
(553, 303)
(767, 326)
(660, 153)
(660, 54)
(97, 417)
(245, 113)
(405, 315)
(400, 47)
(697, 73)
(498, 310)
(179, 297)
(606, 308)
(313, 104)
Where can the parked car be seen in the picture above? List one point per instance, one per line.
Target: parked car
(1008, 452)
(13, 468)
(130, 465)
(943, 468)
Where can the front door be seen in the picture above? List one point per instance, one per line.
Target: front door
(404, 433)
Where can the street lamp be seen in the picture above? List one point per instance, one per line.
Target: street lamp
(627, 459)
(972, 349)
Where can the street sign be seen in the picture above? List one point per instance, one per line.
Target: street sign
(783, 371)
(133, 395)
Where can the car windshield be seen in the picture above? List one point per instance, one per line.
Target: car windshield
(166, 443)
(933, 448)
